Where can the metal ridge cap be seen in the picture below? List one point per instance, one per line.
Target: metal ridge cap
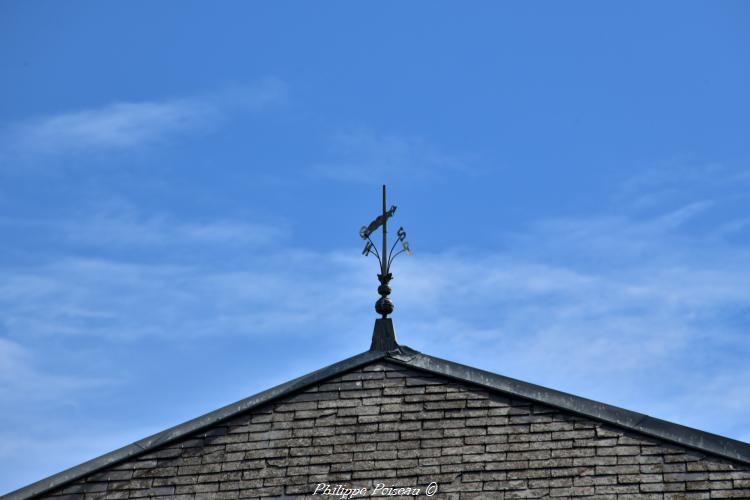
(194, 425)
(689, 437)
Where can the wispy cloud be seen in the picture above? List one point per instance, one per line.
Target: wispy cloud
(162, 262)
(22, 380)
(673, 184)
(124, 125)
(120, 225)
(360, 154)
(114, 126)
(120, 300)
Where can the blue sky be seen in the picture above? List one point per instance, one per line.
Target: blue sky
(182, 184)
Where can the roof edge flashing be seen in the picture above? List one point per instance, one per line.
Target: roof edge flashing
(670, 432)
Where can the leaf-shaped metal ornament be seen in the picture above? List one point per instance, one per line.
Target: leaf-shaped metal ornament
(368, 249)
(406, 247)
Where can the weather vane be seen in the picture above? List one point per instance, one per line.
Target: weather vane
(384, 305)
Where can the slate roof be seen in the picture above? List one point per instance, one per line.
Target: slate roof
(629, 420)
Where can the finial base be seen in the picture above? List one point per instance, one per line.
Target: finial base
(383, 336)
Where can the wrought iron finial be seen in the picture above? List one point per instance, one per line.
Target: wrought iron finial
(384, 305)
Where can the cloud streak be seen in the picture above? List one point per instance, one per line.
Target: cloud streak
(22, 380)
(125, 125)
(126, 228)
(114, 126)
